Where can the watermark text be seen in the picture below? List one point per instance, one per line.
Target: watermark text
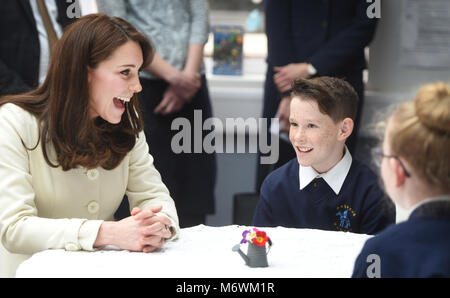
(255, 129)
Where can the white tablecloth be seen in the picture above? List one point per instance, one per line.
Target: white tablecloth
(204, 251)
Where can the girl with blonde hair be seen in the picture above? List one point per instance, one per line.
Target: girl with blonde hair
(415, 169)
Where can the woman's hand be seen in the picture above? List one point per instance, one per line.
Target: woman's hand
(177, 95)
(187, 82)
(156, 227)
(170, 103)
(143, 231)
(186, 85)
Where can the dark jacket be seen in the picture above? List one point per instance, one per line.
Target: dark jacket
(331, 35)
(19, 45)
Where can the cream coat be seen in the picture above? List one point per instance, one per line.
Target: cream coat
(46, 208)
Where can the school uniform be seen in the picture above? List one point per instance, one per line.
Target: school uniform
(416, 248)
(331, 36)
(346, 198)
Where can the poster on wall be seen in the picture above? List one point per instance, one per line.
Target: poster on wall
(425, 34)
(228, 50)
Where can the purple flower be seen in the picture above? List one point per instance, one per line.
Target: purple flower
(244, 236)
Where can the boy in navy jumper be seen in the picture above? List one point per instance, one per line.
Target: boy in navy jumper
(415, 167)
(323, 188)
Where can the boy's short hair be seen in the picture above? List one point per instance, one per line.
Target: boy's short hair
(335, 97)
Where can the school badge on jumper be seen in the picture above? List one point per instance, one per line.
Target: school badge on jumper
(344, 214)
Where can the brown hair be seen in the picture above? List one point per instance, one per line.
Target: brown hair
(335, 97)
(61, 103)
(419, 131)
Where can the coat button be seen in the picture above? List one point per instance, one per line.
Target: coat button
(71, 246)
(92, 174)
(93, 207)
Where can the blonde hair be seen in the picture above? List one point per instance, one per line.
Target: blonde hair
(420, 133)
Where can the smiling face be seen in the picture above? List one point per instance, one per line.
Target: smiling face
(114, 81)
(318, 141)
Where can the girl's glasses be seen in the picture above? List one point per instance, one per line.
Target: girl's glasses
(378, 155)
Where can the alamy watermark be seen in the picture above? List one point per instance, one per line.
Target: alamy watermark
(374, 9)
(74, 9)
(374, 269)
(214, 141)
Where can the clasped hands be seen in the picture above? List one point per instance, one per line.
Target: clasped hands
(285, 75)
(145, 230)
(153, 229)
(182, 88)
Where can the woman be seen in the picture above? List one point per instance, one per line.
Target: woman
(415, 169)
(174, 85)
(71, 149)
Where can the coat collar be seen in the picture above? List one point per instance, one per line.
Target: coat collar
(438, 207)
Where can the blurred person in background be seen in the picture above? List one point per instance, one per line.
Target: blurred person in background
(174, 85)
(308, 39)
(29, 30)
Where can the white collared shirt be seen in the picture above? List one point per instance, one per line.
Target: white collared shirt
(335, 177)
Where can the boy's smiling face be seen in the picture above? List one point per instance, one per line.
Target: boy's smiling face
(318, 141)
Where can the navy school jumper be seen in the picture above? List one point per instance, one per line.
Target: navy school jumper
(416, 248)
(360, 206)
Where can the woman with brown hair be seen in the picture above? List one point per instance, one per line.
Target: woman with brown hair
(72, 148)
(415, 168)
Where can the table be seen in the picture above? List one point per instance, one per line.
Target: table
(206, 252)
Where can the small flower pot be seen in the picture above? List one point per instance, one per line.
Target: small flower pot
(257, 256)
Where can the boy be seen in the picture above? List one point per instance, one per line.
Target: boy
(324, 188)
